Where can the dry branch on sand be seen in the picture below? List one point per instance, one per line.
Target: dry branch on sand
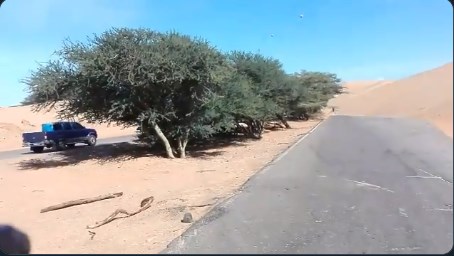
(274, 126)
(81, 201)
(144, 204)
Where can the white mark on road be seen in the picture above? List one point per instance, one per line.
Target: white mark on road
(423, 177)
(445, 210)
(365, 184)
(402, 212)
(431, 176)
(426, 172)
(406, 248)
(322, 176)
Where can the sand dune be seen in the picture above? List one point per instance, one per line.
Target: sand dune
(359, 87)
(16, 120)
(427, 96)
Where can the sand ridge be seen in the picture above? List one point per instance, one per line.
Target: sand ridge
(426, 96)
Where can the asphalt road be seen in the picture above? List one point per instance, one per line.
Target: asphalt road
(354, 185)
(25, 151)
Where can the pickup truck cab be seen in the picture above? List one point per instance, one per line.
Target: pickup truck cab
(58, 136)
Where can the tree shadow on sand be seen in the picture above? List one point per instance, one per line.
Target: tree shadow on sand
(120, 152)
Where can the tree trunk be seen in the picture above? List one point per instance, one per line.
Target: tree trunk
(283, 120)
(163, 139)
(182, 143)
(257, 129)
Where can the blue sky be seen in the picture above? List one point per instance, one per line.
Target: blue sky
(356, 39)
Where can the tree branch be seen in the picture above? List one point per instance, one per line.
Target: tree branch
(80, 201)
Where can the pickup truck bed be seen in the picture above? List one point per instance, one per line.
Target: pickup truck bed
(59, 135)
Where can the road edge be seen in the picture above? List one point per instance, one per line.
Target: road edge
(216, 211)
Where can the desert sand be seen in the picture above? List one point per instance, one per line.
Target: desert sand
(33, 183)
(195, 184)
(426, 96)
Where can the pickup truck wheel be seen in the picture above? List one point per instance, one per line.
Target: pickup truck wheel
(37, 149)
(91, 140)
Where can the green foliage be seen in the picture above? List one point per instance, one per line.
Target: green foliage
(266, 81)
(311, 92)
(172, 83)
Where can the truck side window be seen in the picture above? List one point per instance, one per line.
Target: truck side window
(58, 127)
(67, 126)
(77, 126)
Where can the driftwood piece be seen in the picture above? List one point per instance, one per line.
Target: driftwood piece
(81, 201)
(200, 205)
(144, 204)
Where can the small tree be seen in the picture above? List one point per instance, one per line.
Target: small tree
(311, 92)
(267, 82)
(238, 103)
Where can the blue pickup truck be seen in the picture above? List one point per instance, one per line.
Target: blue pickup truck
(58, 136)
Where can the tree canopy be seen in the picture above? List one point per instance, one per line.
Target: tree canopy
(176, 87)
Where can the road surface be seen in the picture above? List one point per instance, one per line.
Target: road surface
(355, 185)
(5, 155)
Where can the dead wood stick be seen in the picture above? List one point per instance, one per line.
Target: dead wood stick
(92, 234)
(144, 204)
(200, 205)
(80, 201)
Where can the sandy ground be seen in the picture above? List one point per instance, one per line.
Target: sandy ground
(16, 120)
(205, 178)
(427, 95)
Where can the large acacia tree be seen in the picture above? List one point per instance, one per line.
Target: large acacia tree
(165, 81)
(177, 88)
